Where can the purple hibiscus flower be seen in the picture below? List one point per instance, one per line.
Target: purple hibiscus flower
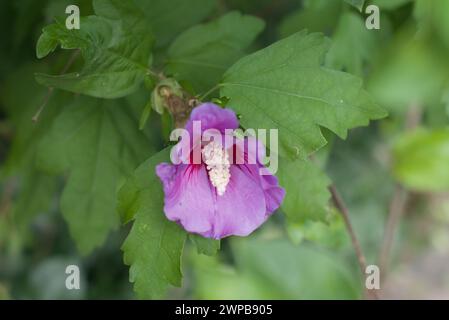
(224, 193)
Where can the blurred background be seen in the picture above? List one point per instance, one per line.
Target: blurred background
(393, 174)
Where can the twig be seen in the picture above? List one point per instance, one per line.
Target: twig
(340, 205)
(399, 201)
(397, 209)
(51, 89)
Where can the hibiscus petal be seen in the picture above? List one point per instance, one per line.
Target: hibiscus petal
(274, 194)
(212, 117)
(189, 199)
(241, 209)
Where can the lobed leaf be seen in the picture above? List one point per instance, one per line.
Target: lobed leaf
(116, 47)
(284, 86)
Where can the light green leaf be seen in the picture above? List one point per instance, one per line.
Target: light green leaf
(397, 81)
(98, 142)
(202, 54)
(154, 246)
(433, 17)
(284, 86)
(421, 160)
(307, 193)
(330, 233)
(205, 246)
(116, 51)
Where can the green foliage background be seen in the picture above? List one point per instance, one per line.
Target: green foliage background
(78, 185)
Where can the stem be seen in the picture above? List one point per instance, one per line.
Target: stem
(51, 89)
(158, 75)
(341, 206)
(201, 98)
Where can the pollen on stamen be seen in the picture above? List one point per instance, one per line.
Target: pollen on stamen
(218, 166)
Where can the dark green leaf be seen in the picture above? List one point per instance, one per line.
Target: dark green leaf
(169, 18)
(98, 141)
(202, 54)
(116, 48)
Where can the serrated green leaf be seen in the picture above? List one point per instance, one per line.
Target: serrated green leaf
(154, 246)
(205, 246)
(307, 195)
(98, 142)
(284, 86)
(421, 160)
(116, 49)
(202, 54)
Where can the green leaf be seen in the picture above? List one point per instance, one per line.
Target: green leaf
(202, 54)
(144, 177)
(352, 44)
(284, 86)
(205, 246)
(169, 18)
(315, 16)
(116, 51)
(307, 195)
(145, 114)
(358, 4)
(98, 142)
(275, 269)
(433, 17)
(397, 81)
(421, 160)
(154, 246)
(330, 233)
(389, 4)
(34, 190)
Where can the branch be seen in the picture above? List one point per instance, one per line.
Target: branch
(340, 205)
